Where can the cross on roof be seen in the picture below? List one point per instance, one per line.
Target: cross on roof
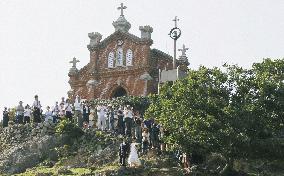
(176, 20)
(183, 50)
(74, 62)
(121, 8)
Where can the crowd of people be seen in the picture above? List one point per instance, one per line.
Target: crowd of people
(36, 114)
(138, 134)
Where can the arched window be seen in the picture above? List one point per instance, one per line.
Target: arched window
(110, 60)
(119, 57)
(129, 58)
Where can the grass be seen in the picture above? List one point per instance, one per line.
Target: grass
(53, 171)
(36, 170)
(80, 171)
(152, 161)
(107, 167)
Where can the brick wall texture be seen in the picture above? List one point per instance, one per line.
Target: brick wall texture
(108, 80)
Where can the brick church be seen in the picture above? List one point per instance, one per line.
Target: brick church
(120, 65)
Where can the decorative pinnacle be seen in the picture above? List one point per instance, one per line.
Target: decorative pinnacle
(176, 20)
(121, 8)
(74, 62)
(183, 50)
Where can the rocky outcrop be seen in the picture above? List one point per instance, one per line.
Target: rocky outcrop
(94, 153)
(16, 134)
(107, 155)
(24, 146)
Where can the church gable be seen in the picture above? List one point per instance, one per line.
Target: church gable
(122, 51)
(121, 64)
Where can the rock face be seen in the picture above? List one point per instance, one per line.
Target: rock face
(24, 146)
(94, 153)
(107, 155)
(18, 134)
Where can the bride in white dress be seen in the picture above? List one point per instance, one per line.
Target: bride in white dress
(133, 159)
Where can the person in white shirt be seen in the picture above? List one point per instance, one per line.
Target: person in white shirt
(101, 117)
(61, 110)
(55, 112)
(27, 114)
(48, 115)
(68, 110)
(78, 114)
(128, 114)
(36, 110)
(92, 118)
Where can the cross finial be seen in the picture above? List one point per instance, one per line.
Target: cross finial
(176, 20)
(183, 50)
(121, 8)
(74, 62)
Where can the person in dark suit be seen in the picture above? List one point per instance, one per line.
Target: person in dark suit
(123, 148)
(5, 117)
(120, 122)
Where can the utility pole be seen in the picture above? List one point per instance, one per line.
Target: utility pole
(175, 34)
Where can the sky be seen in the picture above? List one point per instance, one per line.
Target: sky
(38, 38)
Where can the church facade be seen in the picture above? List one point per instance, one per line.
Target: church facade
(120, 65)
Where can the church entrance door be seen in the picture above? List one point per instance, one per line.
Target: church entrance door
(119, 92)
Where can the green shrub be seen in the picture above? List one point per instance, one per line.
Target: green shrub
(63, 151)
(69, 128)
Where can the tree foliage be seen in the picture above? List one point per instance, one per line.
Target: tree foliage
(229, 110)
